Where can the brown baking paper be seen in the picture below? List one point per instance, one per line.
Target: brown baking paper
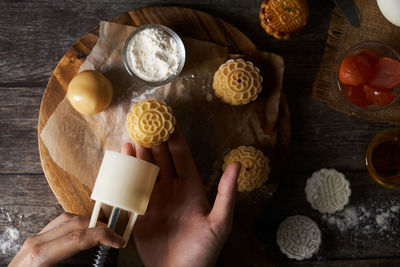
(341, 36)
(77, 142)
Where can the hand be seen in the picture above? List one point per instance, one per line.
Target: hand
(61, 238)
(180, 228)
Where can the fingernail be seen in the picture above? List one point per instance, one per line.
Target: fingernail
(118, 242)
(239, 163)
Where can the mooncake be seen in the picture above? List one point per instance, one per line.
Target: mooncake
(150, 122)
(255, 167)
(327, 190)
(298, 237)
(237, 82)
(284, 18)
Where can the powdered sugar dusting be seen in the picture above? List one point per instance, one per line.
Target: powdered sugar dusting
(9, 241)
(344, 219)
(9, 238)
(376, 219)
(382, 220)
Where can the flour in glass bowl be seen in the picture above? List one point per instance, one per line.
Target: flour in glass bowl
(153, 55)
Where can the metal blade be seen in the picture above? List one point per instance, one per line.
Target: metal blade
(350, 11)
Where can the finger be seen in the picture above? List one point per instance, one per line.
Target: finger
(163, 159)
(71, 223)
(54, 251)
(221, 214)
(181, 154)
(143, 153)
(128, 149)
(60, 219)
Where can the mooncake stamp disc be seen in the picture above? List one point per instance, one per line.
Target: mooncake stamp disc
(255, 167)
(150, 122)
(328, 191)
(237, 82)
(298, 237)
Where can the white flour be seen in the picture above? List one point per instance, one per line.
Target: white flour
(153, 55)
(344, 219)
(9, 238)
(378, 219)
(9, 241)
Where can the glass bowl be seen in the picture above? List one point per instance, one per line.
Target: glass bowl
(381, 49)
(181, 50)
(387, 155)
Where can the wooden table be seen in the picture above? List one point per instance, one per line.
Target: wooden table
(34, 36)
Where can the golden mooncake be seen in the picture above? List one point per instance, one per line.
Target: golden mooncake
(255, 167)
(284, 18)
(150, 122)
(237, 82)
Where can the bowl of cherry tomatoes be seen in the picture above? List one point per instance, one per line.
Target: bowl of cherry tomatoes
(367, 76)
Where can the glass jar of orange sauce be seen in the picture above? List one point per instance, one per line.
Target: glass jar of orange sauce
(383, 158)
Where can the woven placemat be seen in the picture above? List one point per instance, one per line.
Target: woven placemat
(342, 36)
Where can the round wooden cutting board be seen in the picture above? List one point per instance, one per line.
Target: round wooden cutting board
(74, 196)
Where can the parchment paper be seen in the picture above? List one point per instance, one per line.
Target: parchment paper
(77, 142)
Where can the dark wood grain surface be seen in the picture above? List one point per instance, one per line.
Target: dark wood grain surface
(34, 35)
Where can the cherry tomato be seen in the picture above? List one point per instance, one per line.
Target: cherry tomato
(354, 70)
(355, 94)
(386, 74)
(371, 56)
(377, 97)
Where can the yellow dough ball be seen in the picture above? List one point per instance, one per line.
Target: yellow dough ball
(90, 92)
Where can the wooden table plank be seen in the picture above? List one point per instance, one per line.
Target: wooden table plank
(322, 137)
(22, 189)
(19, 110)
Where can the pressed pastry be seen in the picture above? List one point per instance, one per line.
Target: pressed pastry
(150, 122)
(237, 82)
(327, 190)
(298, 237)
(284, 18)
(255, 167)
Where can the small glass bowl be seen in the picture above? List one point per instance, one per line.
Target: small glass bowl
(378, 47)
(181, 49)
(393, 135)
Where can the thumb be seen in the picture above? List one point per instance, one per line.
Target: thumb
(221, 214)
